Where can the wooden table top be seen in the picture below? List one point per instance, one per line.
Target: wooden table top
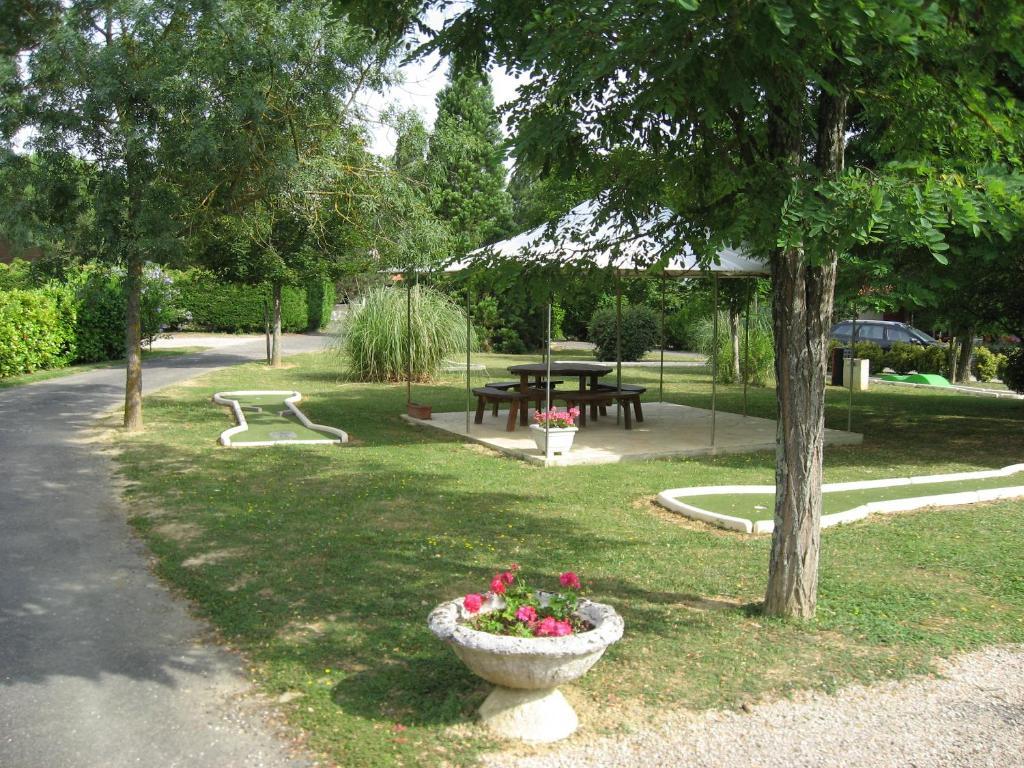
(563, 369)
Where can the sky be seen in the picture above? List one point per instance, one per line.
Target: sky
(422, 80)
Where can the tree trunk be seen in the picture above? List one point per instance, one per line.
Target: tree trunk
(734, 336)
(960, 369)
(275, 360)
(802, 294)
(133, 334)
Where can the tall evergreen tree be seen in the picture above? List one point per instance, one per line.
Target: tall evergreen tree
(467, 178)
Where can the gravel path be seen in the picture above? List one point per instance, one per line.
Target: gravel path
(971, 717)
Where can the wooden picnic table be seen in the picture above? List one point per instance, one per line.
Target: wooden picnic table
(587, 373)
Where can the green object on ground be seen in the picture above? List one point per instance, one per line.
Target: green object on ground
(272, 418)
(931, 379)
(761, 506)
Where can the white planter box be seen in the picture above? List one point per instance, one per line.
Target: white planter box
(561, 438)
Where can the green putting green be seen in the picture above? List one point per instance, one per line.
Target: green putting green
(761, 506)
(272, 418)
(931, 379)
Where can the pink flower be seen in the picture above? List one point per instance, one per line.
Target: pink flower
(472, 602)
(507, 576)
(570, 579)
(497, 585)
(526, 613)
(514, 567)
(552, 627)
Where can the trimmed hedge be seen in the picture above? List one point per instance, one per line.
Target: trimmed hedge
(36, 330)
(99, 330)
(211, 305)
(639, 331)
(320, 298)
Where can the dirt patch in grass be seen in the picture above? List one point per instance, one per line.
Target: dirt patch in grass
(178, 531)
(213, 557)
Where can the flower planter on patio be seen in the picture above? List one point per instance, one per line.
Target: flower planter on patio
(561, 438)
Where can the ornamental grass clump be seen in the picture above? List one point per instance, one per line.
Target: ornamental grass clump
(521, 611)
(376, 343)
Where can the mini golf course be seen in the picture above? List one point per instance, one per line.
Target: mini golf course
(750, 508)
(270, 417)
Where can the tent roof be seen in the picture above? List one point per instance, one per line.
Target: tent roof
(579, 240)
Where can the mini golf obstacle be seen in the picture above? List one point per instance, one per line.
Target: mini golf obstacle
(273, 419)
(750, 508)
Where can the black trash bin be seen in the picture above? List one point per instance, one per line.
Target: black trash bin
(839, 356)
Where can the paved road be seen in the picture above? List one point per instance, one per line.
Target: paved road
(99, 665)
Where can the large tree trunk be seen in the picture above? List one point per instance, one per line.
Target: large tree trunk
(133, 337)
(734, 337)
(802, 295)
(275, 359)
(963, 345)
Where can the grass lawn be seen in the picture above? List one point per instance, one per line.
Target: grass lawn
(321, 563)
(57, 373)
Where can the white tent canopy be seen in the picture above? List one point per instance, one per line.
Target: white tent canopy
(578, 239)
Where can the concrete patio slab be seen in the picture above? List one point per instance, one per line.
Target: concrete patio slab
(667, 430)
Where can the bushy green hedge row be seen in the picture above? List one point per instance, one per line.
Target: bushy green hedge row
(209, 304)
(36, 329)
(82, 320)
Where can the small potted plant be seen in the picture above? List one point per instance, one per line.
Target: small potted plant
(527, 642)
(557, 426)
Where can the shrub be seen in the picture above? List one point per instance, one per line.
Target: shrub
(986, 364)
(16, 275)
(320, 299)
(1013, 376)
(932, 360)
(868, 350)
(376, 334)
(36, 330)
(639, 331)
(1002, 361)
(99, 330)
(214, 305)
(902, 358)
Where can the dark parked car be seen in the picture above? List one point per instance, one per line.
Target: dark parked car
(884, 333)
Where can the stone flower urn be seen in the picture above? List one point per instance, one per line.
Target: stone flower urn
(526, 703)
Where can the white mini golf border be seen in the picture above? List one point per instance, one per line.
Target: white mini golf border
(291, 397)
(669, 499)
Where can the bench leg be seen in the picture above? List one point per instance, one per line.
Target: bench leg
(593, 410)
(583, 412)
(524, 413)
(481, 403)
(513, 408)
(494, 411)
(639, 410)
(603, 408)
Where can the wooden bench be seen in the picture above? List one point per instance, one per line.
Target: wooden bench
(601, 396)
(496, 396)
(508, 386)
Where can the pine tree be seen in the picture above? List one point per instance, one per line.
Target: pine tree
(467, 178)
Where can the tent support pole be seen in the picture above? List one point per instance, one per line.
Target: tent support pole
(408, 340)
(853, 356)
(469, 347)
(618, 344)
(547, 390)
(714, 359)
(661, 344)
(746, 352)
